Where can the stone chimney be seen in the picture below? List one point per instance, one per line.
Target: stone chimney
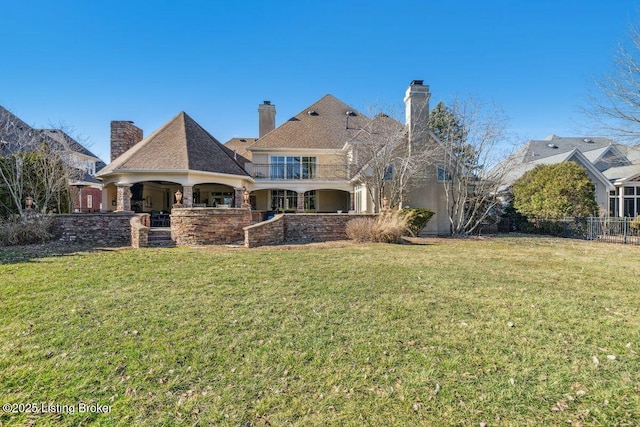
(124, 135)
(416, 101)
(266, 118)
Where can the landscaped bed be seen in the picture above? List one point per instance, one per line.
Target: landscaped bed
(502, 331)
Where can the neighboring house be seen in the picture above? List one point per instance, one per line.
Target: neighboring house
(85, 188)
(614, 169)
(310, 163)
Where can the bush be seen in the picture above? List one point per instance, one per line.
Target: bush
(24, 231)
(388, 227)
(635, 224)
(417, 219)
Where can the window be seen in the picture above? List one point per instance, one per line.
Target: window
(284, 200)
(310, 200)
(221, 198)
(388, 173)
(443, 174)
(293, 167)
(89, 201)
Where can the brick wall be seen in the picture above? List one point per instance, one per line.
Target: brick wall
(97, 228)
(124, 135)
(299, 228)
(208, 226)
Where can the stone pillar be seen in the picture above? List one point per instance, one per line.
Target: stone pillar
(123, 198)
(300, 201)
(187, 196)
(237, 199)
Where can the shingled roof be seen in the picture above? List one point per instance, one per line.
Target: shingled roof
(322, 125)
(180, 144)
(241, 146)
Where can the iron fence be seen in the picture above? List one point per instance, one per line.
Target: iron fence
(603, 229)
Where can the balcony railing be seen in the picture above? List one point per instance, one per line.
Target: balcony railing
(286, 172)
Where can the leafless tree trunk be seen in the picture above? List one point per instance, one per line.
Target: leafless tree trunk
(472, 175)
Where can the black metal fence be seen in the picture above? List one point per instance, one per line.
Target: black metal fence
(603, 229)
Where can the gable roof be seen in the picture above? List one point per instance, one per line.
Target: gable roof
(554, 145)
(241, 146)
(180, 144)
(322, 125)
(16, 135)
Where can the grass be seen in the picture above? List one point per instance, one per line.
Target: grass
(503, 331)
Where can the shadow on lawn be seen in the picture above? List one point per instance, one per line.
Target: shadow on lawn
(25, 253)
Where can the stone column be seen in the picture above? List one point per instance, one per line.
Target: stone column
(300, 201)
(123, 198)
(237, 199)
(187, 196)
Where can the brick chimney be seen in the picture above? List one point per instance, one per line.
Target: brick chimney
(416, 101)
(266, 118)
(124, 135)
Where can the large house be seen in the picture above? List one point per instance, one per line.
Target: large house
(614, 169)
(85, 188)
(311, 163)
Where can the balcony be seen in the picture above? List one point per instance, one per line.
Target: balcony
(296, 172)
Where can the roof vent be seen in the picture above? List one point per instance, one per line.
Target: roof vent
(350, 113)
(267, 102)
(552, 146)
(588, 140)
(312, 113)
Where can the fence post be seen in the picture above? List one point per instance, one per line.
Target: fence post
(624, 227)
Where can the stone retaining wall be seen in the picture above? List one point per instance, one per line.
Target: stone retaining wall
(98, 228)
(208, 226)
(299, 228)
(265, 233)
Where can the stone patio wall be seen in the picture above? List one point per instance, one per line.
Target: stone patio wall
(209, 226)
(97, 228)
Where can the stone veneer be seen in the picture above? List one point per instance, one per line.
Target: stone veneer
(98, 228)
(140, 225)
(208, 226)
(299, 228)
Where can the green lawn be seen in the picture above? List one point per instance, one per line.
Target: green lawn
(502, 331)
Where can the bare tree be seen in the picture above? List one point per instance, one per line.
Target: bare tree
(390, 163)
(469, 135)
(615, 106)
(32, 164)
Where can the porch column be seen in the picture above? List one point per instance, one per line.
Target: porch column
(105, 203)
(187, 196)
(237, 199)
(621, 202)
(352, 199)
(300, 201)
(123, 198)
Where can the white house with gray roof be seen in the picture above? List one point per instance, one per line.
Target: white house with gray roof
(614, 169)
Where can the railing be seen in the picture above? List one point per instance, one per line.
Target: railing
(614, 230)
(601, 229)
(282, 172)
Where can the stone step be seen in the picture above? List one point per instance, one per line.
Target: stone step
(160, 237)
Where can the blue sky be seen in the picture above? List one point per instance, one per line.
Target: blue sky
(85, 63)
